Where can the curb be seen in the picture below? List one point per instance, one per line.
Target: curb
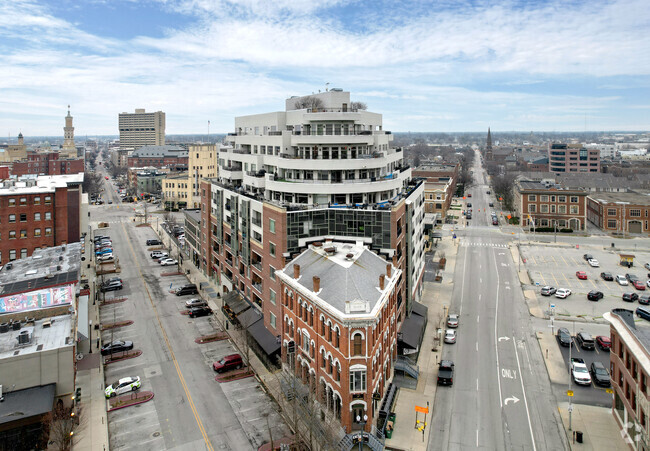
(135, 354)
(133, 403)
(115, 325)
(220, 337)
(244, 375)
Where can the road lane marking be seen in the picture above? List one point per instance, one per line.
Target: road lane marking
(496, 336)
(197, 417)
(462, 286)
(523, 390)
(530, 366)
(556, 282)
(477, 346)
(477, 438)
(477, 318)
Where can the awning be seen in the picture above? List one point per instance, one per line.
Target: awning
(236, 303)
(410, 335)
(22, 404)
(249, 317)
(82, 318)
(267, 341)
(419, 309)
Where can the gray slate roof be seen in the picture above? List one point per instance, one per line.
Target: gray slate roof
(165, 151)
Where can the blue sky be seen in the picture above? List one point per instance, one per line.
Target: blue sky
(439, 66)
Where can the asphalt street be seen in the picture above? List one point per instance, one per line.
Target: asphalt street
(501, 397)
(190, 409)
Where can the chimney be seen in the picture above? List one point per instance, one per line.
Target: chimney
(389, 270)
(395, 260)
(316, 284)
(296, 271)
(382, 278)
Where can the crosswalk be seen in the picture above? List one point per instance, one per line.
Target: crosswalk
(496, 245)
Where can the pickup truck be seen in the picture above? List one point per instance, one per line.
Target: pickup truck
(580, 372)
(446, 373)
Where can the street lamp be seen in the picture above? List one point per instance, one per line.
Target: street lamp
(363, 428)
(90, 337)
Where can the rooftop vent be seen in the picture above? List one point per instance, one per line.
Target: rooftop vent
(47, 323)
(23, 337)
(15, 325)
(4, 327)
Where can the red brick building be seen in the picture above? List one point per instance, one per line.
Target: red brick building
(47, 164)
(620, 213)
(36, 213)
(174, 157)
(339, 336)
(547, 204)
(630, 376)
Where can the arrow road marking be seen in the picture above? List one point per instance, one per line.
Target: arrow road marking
(504, 338)
(514, 399)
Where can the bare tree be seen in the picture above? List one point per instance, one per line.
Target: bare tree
(503, 187)
(358, 106)
(92, 183)
(309, 102)
(61, 423)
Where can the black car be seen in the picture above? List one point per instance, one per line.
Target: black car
(588, 257)
(491, 204)
(586, 341)
(195, 312)
(599, 374)
(644, 299)
(607, 276)
(469, 205)
(153, 242)
(186, 289)
(631, 277)
(564, 337)
(595, 295)
(630, 297)
(117, 346)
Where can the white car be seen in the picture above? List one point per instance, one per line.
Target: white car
(168, 261)
(124, 385)
(450, 336)
(579, 372)
(593, 263)
(159, 254)
(562, 293)
(622, 280)
(105, 257)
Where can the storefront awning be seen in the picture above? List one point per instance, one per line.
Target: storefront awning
(267, 341)
(410, 335)
(236, 303)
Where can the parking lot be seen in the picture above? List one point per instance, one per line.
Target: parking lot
(189, 406)
(557, 266)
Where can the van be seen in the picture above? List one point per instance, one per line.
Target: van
(187, 289)
(643, 313)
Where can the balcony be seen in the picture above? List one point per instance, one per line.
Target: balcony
(257, 265)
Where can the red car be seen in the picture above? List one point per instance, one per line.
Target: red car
(604, 342)
(638, 285)
(581, 275)
(229, 362)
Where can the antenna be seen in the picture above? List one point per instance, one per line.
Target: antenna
(327, 86)
(208, 132)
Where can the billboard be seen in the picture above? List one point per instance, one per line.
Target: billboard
(33, 300)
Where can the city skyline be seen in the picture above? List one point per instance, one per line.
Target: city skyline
(428, 67)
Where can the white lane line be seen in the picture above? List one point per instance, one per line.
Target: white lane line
(530, 366)
(477, 346)
(462, 287)
(479, 297)
(523, 390)
(496, 337)
(477, 318)
(476, 384)
(477, 438)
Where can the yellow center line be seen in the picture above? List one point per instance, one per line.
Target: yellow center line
(171, 352)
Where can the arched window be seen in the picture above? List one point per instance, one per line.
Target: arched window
(299, 309)
(330, 365)
(356, 345)
(329, 332)
(304, 314)
(338, 372)
(311, 317)
(322, 360)
(338, 338)
(322, 326)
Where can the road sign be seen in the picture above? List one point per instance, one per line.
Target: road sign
(569, 392)
(421, 409)
(552, 305)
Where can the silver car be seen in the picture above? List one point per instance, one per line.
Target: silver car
(195, 302)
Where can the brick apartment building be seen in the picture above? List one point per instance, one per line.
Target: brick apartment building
(547, 204)
(619, 213)
(339, 311)
(37, 213)
(439, 187)
(572, 158)
(174, 157)
(48, 163)
(630, 373)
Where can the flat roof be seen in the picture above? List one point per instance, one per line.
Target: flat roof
(46, 267)
(40, 184)
(57, 335)
(526, 185)
(629, 197)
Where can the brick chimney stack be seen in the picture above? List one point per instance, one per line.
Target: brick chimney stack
(316, 284)
(296, 271)
(382, 279)
(389, 270)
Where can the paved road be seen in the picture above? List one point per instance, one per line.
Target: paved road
(190, 409)
(501, 397)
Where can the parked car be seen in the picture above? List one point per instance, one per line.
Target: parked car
(585, 341)
(111, 287)
(153, 242)
(116, 346)
(107, 250)
(593, 263)
(105, 257)
(159, 254)
(450, 336)
(111, 280)
(562, 293)
(446, 372)
(606, 276)
(621, 280)
(579, 371)
(599, 374)
(452, 320)
(186, 289)
(195, 312)
(581, 275)
(647, 266)
(195, 302)
(631, 277)
(469, 205)
(604, 342)
(227, 363)
(595, 295)
(168, 262)
(491, 204)
(643, 312)
(630, 297)
(588, 257)
(638, 285)
(548, 291)
(644, 299)
(124, 385)
(564, 337)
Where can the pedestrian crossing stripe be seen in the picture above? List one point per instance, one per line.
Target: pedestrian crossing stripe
(503, 246)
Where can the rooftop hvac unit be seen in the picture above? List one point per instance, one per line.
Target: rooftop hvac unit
(23, 337)
(16, 325)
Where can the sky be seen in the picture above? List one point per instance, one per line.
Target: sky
(426, 66)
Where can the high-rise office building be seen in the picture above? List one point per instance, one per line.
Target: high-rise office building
(141, 129)
(572, 158)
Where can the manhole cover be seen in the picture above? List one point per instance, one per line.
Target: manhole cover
(156, 434)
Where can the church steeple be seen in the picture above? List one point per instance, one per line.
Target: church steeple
(488, 146)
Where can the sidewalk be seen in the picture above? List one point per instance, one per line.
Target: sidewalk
(436, 297)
